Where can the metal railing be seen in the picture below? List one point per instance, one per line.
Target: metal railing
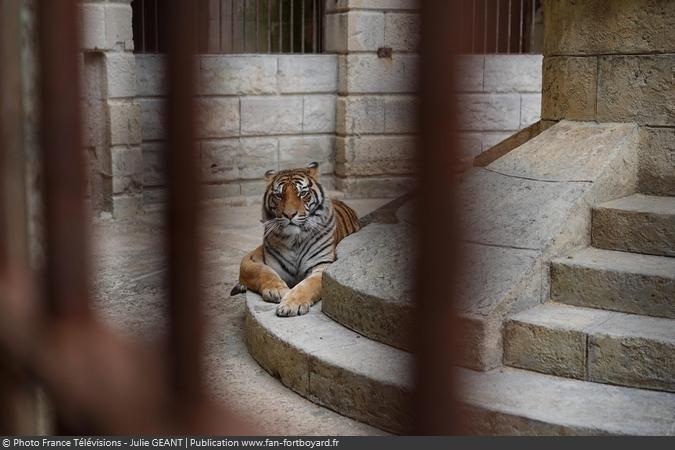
(500, 26)
(237, 26)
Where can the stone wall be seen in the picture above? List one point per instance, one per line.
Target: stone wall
(498, 95)
(376, 108)
(616, 64)
(257, 112)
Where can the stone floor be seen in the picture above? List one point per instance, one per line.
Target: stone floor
(129, 280)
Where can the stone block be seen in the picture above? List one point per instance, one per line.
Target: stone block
(218, 117)
(469, 73)
(154, 172)
(299, 151)
(656, 173)
(150, 75)
(93, 35)
(569, 88)
(319, 114)
(124, 122)
(335, 33)
(365, 31)
(530, 109)
(637, 89)
(492, 138)
(237, 74)
(118, 30)
(153, 119)
(402, 31)
(488, 112)
(234, 159)
(127, 206)
(375, 187)
(120, 74)
(92, 73)
(368, 74)
(307, 74)
(375, 149)
(127, 170)
(253, 188)
(360, 114)
(271, 115)
(609, 27)
(215, 191)
(470, 144)
(94, 119)
(341, 5)
(400, 114)
(513, 73)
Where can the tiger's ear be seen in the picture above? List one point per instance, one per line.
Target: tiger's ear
(269, 175)
(313, 169)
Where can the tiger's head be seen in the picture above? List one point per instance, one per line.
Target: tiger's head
(292, 199)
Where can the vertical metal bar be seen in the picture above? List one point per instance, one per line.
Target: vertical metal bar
(185, 330)
(269, 26)
(257, 26)
(461, 24)
(508, 38)
(62, 159)
(291, 33)
(485, 26)
(520, 35)
(281, 27)
(143, 46)
(435, 411)
(532, 27)
(314, 23)
(243, 27)
(473, 26)
(156, 26)
(497, 28)
(302, 27)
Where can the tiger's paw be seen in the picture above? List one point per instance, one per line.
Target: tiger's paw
(274, 294)
(290, 307)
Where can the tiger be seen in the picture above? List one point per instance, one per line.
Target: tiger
(302, 228)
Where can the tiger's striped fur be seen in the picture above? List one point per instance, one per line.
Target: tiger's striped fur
(302, 228)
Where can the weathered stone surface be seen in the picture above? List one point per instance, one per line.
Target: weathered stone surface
(335, 33)
(92, 26)
(271, 115)
(608, 27)
(125, 206)
(237, 74)
(124, 122)
(118, 27)
(595, 345)
(632, 283)
(365, 31)
(379, 307)
(569, 88)
(569, 151)
(513, 73)
(400, 114)
(301, 150)
(517, 402)
(657, 161)
(127, 169)
(150, 75)
(374, 187)
(360, 114)
(638, 223)
(375, 148)
(469, 73)
(636, 89)
(402, 32)
(319, 114)
(154, 172)
(488, 111)
(120, 74)
(232, 159)
(530, 109)
(331, 365)
(153, 119)
(368, 74)
(341, 5)
(219, 117)
(304, 74)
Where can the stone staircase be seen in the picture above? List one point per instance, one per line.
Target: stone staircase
(598, 358)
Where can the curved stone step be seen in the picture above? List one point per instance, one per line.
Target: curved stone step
(617, 281)
(511, 401)
(370, 286)
(637, 223)
(594, 345)
(331, 365)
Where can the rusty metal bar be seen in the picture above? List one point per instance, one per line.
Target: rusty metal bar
(302, 27)
(485, 26)
(156, 26)
(314, 30)
(508, 37)
(257, 26)
(185, 334)
(534, 10)
(281, 26)
(520, 35)
(473, 26)
(62, 159)
(497, 28)
(143, 45)
(434, 410)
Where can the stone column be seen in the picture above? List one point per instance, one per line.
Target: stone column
(111, 111)
(378, 42)
(614, 61)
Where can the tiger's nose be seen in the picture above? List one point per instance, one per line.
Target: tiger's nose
(289, 216)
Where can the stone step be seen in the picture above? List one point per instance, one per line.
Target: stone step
(594, 345)
(616, 281)
(332, 365)
(370, 286)
(510, 401)
(637, 223)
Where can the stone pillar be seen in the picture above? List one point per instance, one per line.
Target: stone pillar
(377, 42)
(614, 61)
(111, 111)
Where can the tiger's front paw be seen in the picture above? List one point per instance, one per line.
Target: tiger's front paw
(293, 305)
(274, 294)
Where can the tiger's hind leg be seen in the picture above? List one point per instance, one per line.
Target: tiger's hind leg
(300, 299)
(257, 276)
